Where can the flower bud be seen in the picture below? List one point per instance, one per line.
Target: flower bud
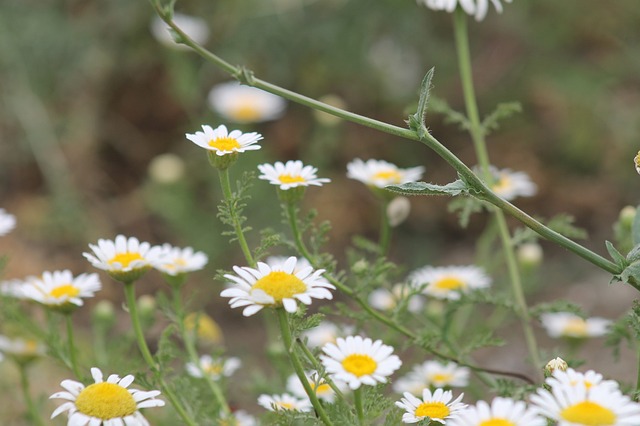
(166, 168)
(398, 210)
(555, 364)
(627, 216)
(104, 313)
(360, 266)
(529, 254)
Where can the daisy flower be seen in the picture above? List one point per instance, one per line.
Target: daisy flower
(432, 374)
(274, 261)
(213, 368)
(175, 261)
(359, 361)
(579, 404)
(565, 324)
(60, 289)
(437, 406)
(572, 378)
(501, 412)
(284, 402)
(275, 286)
(325, 332)
(476, 8)
(107, 403)
(319, 385)
(7, 222)
(508, 184)
(387, 300)
(196, 28)
(245, 104)
(292, 174)
(222, 142)
(12, 288)
(449, 282)
(125, 259)
(239, 418)
(379, 173)
(22, 350)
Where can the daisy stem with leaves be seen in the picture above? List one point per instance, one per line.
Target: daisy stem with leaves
(283, 319)
(71, 346)
(32, 410)
(478, 136)
(231, 203)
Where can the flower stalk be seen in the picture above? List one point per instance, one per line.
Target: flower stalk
(237, 227)
(32, 410)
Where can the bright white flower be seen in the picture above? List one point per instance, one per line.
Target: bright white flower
(290, 175)
(60, 288)
(7, 222)
(196, 28)
(398, 210)
(501, 412)
(437, 406)
(565, 324)
(572, 378)
(245, 104)
(174, 260)
(359, 361)
(284, 402)
(319, 385)
(223, 142)
(508, 184)
(449, 282)
(277, 286)
(125, 259)
(12, 288)
(387, 300)
(213, 368)
(582, 404)
(326, 332)
(475, 8)
(20, 348)
(277, 261)
(107, 403)
(380, 173)
(432, 374)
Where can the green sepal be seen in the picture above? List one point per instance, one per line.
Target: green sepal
(422, 188)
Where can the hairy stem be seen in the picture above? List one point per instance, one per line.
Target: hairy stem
(71, 346)
(237, 227)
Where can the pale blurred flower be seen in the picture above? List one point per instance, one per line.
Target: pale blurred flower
(12, 288)
(565, 324)
(241, 418)
(319, 385)
(222, 142)
(636, 162)
(508, 184)
(326, 332)
(501, 412)
(61, 289)
(386, 300)
(475, 8)
(449, 282)
(329, 119)
(206, 330)
(529, 254)
(214, 368)
(432, 374)
(379, 173)
(291, 174)
(7, 222)
(196, 28)
(166, 168)
(175, 260)
(398, 210)
(245, 104)
(21, 349)
(436, 406)
(284, 402)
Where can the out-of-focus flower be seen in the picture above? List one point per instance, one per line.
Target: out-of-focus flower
(379, 173)
(636, 162)
(166, 168)
(107, 403)
(438, 406)
(292, 174)
(565, 324)
(214, 368)
(7, 222)
(476, 8)
(325, 118)
(277, 286)
(432, 374)
(22, 350)
(319, 385)
(449, 282)
(175, 261)
(359, 361)
(284, 402)
(529, 254)
(59, 289)
(508, 184)
(398, 210)
(12, 288)
(326, 332)
(206, 330)
(239, 418)
(196, 28)
(386, 300)
(502, 411)
(245, 104)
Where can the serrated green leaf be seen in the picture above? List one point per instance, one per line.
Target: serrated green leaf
(615, 254)
(417, 121)
(422, 188)
(635, 229)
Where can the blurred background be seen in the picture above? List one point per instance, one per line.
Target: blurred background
(90, 100)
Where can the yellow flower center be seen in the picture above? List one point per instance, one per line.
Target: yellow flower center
(450, 283)
(224, 144)
(497, 422)
(435, 410)
(589, 414)
(64, 290)
(106, 401)
(207, 329)
(359, 365)
(280, 285)
(213, 369)
(320, 389)
(575, 327)
(246, 111)
(503, 183)
(285, 405)
(125, 259)
(442, 378)
(291, 179)
(390, 175)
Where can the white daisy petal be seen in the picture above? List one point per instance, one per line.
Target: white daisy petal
(378, 173)
(476, 8)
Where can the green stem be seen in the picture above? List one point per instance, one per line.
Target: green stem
(291, 211)
(192, 353)
(385, 228)
(318, 367)
(297, 365)
(357, 398)
(237, 227)
(32, 410)
(72, 347)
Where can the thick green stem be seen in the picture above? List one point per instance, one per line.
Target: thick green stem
(32, 411)
(297, 366)
(237, 227)
(357, 399)
(71, 346)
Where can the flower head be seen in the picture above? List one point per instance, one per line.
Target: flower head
(275, 286)
(319, 385)
(432, 374)
(7, 222)
(449, 282)
(387, 300)
(508, 184)
(245, 104)
(213, 368)
(222, 142)
(203, 327)
(196, 28)
(379, 173)
(21, 349)
(475, 8)
(284, 402)
(108, 403)
(61, 290)
(565, 324)
(326, 332)
(359, 361)
(176, 261)
(125, 259)
(636, 162)
(12, 288)
(292, 174)
(571, 378)
(501, 412)
(437, 406)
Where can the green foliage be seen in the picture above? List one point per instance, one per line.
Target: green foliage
(558, 305)
(230, 210)
(465, 207)
(417, 121)
(502, 111)
(422, 188)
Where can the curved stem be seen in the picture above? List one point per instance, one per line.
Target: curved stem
(32, 410)
(237, 227)
(297, 366)
(71, 346)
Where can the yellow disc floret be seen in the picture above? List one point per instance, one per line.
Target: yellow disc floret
(359, 365)
(575, 327)
(589, 414)
(450, 283)
(246, 111)
(124, 259)
(64, 290)
(290, 179)
(435, 410)
(442, 377)
(224, 144)
(497, 422)
(321, 389)
(280, 285)
(391, 175)
(106, 401)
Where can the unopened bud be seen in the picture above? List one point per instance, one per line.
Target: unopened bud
(166, 168)
(398, 210)
(328, 119)
(529, 254)
(104, 313)
(360, 266)
(555, 364)
(627, 216)
(147, 305)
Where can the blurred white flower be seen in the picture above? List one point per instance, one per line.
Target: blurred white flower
(387, 300)
(196, 28)
(284, 402)
(398, 210)
(319, 385)
(166, 168)
(565, 324)
(475, 8)
(326, 332)
(449, 282)
(7, 222)
(175, 260)
(60, 288)
(245, 104)
(379, 173)
(291, 174)
(508, 184)
(214, 368)
(432, 374)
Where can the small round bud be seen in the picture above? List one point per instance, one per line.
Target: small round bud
(104, 312)
(204, 327)
(398, 210)
(147, 305)
(328, 119)
(555, 364)
(166, 168)
(360, 266)
(627, 216)
(529, 254)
